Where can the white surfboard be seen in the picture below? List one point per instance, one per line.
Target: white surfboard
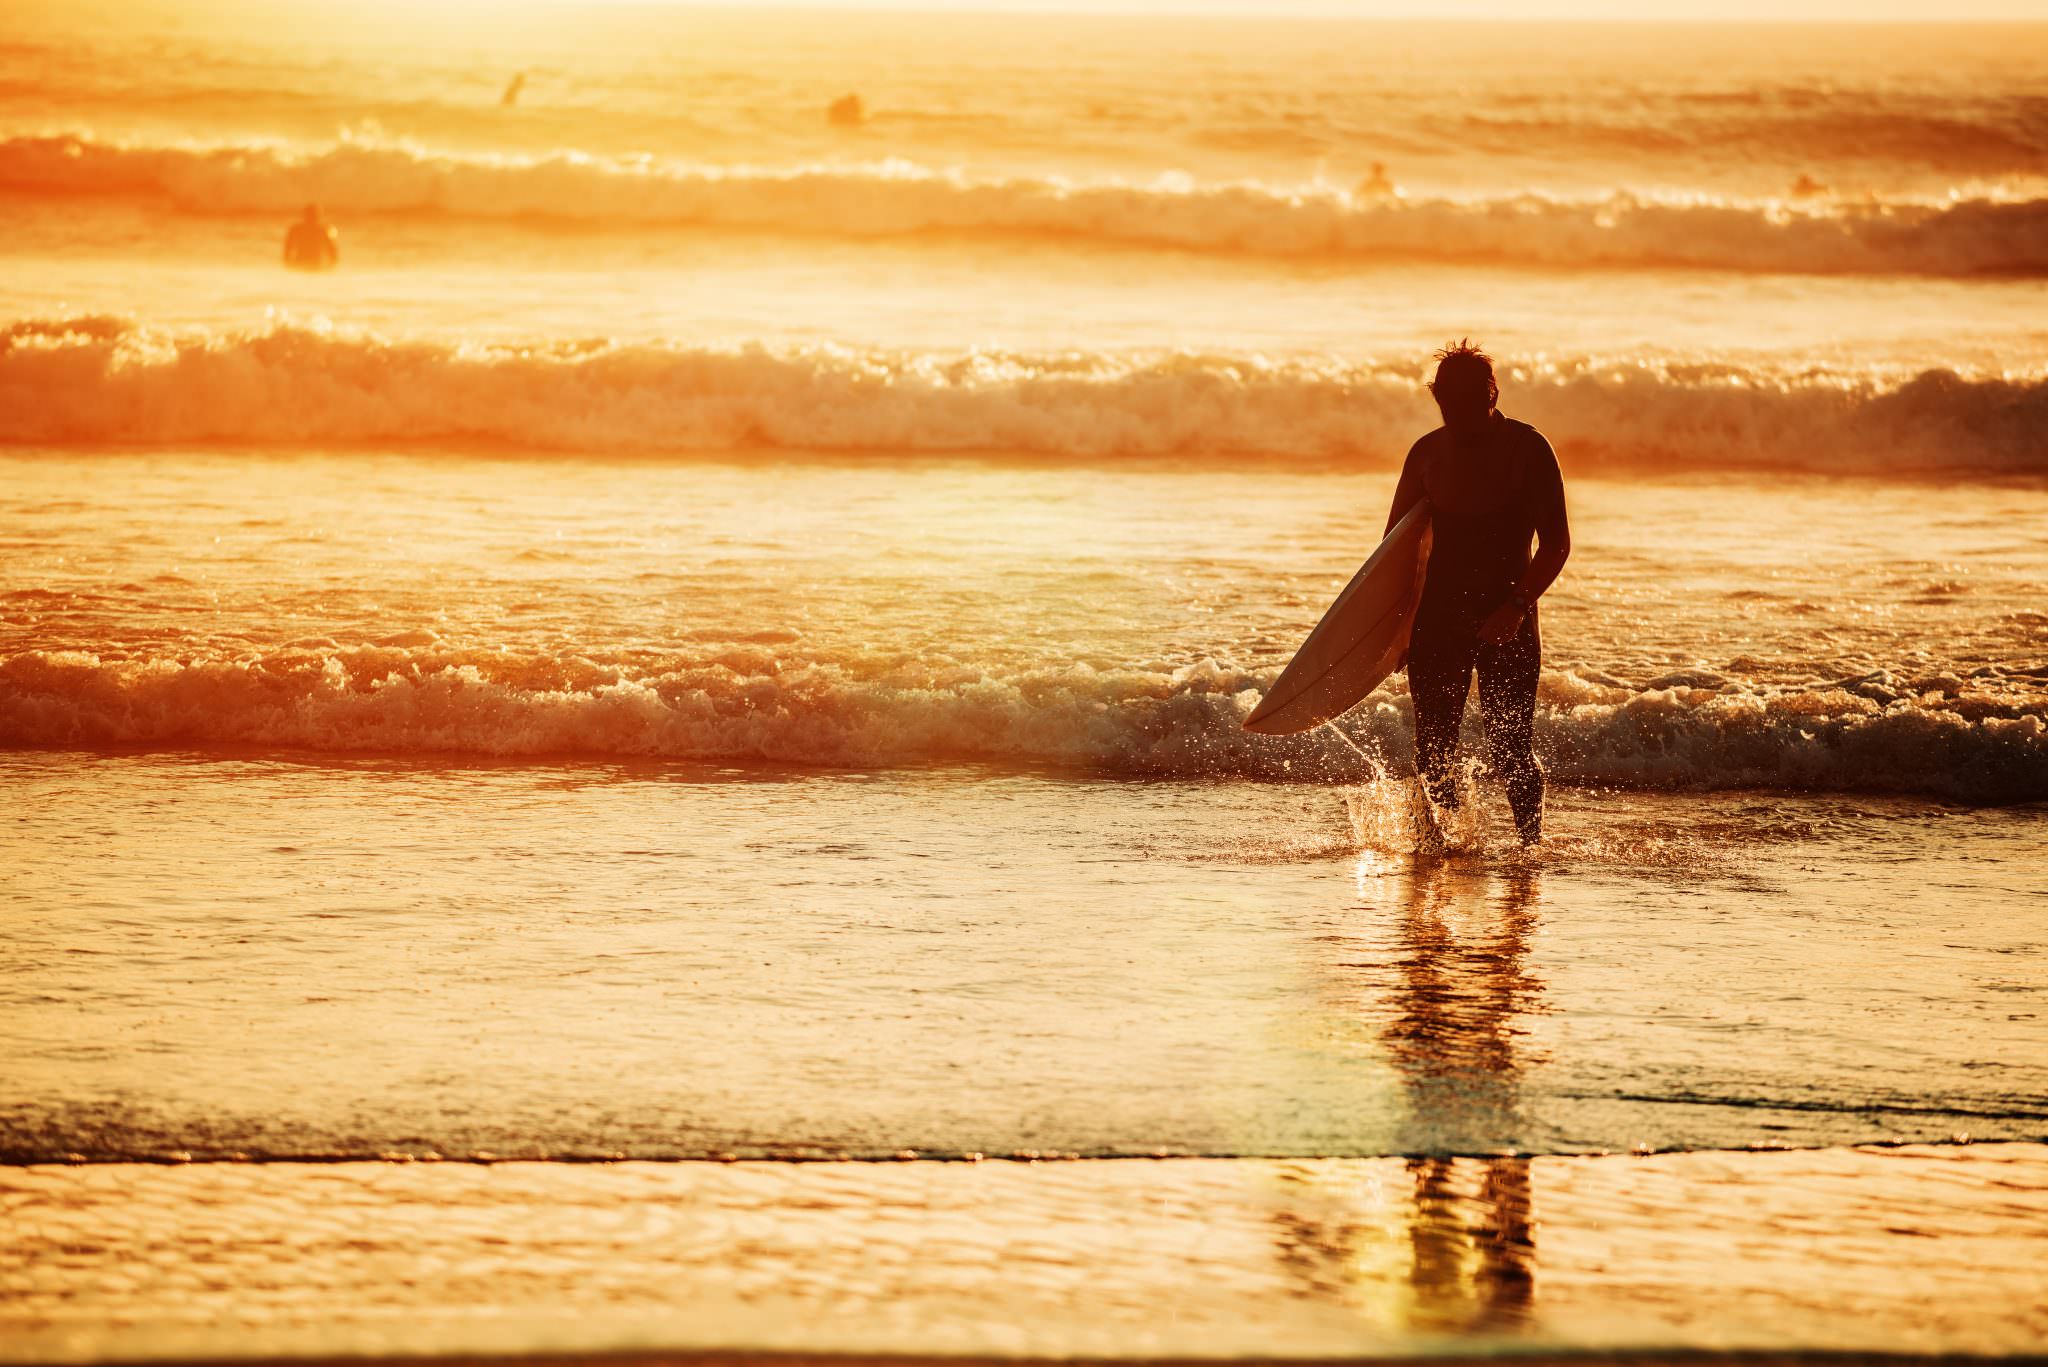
(1361, 639)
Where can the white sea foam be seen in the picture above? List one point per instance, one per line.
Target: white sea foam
(104, 380)
(1955, 237)
(1970, 743)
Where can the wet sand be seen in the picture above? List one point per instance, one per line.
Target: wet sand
(1917, 1250)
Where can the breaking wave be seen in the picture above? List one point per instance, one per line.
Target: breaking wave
(103, 380)
(1980, 740)
(1955, 237)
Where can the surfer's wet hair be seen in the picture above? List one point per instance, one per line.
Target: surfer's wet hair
(1462, 371)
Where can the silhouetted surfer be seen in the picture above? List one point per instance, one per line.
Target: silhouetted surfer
(1492, 485)
(1377, 185)
(311, 244)
(846, 112)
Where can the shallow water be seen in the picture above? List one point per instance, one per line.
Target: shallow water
(274, 957)
(1028, 885)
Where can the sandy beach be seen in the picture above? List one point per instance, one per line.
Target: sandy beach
(1901, 1252)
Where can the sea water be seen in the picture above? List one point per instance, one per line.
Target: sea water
(719, 634)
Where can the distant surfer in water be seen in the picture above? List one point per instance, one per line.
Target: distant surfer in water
(311, 244)
(1492, 485)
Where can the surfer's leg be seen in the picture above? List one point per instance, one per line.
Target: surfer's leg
(1507, 703)
(1439, 677)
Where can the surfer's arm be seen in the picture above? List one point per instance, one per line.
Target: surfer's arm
(1409, 491)
(1553, 548)
(1553, 534)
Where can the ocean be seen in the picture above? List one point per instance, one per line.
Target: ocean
(704, 665)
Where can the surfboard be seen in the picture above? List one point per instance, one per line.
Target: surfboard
(1361, 639)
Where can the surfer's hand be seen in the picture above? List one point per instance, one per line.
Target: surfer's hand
(1500, 628)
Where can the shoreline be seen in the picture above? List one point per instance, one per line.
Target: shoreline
(799, 1156)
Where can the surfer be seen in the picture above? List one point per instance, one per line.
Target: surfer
(846, 112)
(311, 244)
(1493, 485)
(1377, 185)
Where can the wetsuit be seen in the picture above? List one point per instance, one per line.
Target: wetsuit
(1488, 493)
(310, 246)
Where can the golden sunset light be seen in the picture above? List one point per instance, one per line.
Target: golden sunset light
(1023, 681)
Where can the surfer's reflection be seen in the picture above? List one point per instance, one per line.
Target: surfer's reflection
(1453, 1034)
(1453, 983)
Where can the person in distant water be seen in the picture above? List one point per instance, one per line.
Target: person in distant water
(1806, 187)
(846, 112)
(1492, 485)
(512, 89)
(1377, 185)
(311, 244)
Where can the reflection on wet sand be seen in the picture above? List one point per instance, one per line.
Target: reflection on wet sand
(1454, 1039)
(1887, 1251)
(1454, 986)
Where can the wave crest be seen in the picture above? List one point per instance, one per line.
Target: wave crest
(108, 381)
(1956, 237)
(766, 703)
